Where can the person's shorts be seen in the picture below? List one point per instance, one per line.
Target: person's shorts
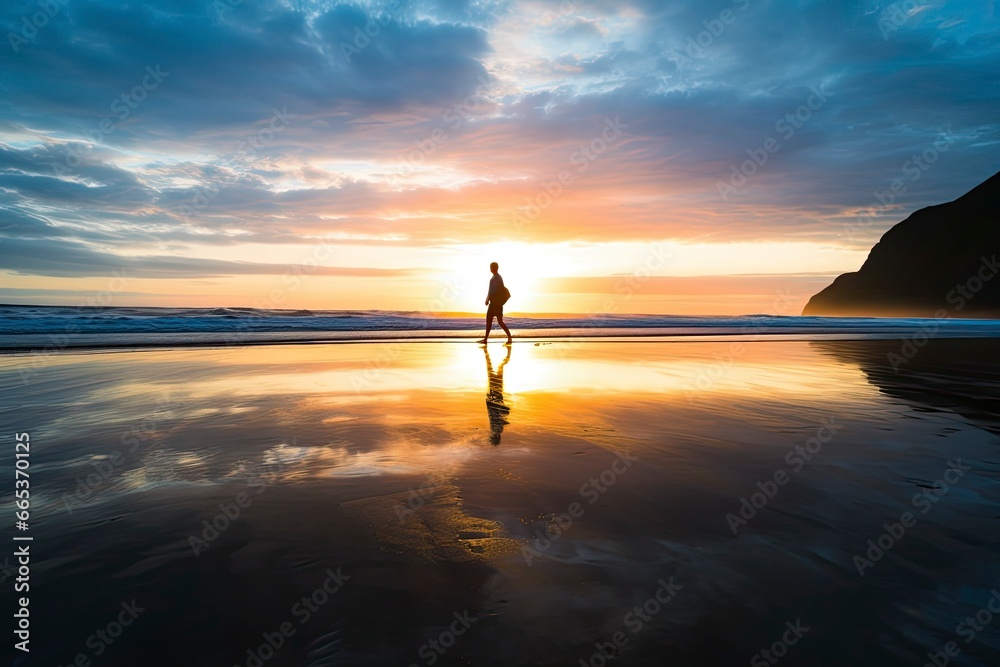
(495, 310)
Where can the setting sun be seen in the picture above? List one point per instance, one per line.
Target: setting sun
(523, 266)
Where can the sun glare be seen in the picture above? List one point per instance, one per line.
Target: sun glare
(522, 265)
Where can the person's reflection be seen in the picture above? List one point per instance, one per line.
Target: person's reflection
(495, 407)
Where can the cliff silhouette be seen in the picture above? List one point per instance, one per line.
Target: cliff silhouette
(942, 261)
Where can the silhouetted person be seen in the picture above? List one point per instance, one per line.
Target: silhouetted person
(496, 409)
(495, 300)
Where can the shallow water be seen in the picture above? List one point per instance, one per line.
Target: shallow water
(529, 503)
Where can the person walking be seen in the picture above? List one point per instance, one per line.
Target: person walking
(495, 299)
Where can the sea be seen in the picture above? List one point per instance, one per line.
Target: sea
(49, 328)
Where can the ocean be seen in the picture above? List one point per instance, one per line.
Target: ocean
(24, 328)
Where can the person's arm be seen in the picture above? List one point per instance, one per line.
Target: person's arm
(495, 283)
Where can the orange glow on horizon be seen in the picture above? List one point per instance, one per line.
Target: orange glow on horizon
(567, 278)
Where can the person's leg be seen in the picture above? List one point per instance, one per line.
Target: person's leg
(504, 327)
(489, 325)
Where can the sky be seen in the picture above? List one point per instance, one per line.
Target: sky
(614, 156)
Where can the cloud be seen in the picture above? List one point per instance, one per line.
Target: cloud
(735, 285)
(449, 118)
(62, 258)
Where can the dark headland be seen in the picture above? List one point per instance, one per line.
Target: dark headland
(941, 258)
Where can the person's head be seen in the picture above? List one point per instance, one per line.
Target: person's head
(494, 267)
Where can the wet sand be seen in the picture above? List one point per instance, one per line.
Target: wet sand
(437, 506)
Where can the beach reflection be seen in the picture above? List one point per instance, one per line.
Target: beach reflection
(497, 411)
(948, 376)
(377, 458)
(396, 409)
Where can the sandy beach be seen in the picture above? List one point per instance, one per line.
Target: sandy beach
(410, 503)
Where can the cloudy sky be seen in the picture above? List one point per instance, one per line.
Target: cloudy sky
(613, 155)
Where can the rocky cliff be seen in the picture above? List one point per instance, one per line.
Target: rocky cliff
(942, 261)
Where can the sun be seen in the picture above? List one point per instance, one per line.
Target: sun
(524, 267)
